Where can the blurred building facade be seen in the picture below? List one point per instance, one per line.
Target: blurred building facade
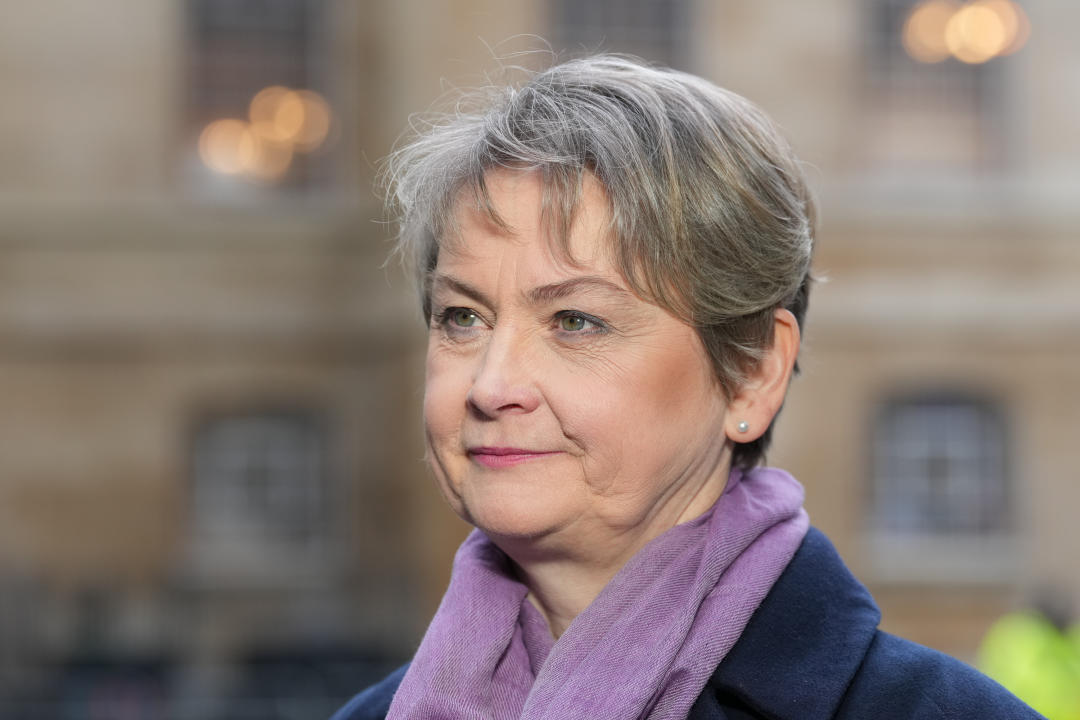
(211, 476)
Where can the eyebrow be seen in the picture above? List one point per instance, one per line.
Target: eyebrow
(555, 291)
(538, 295)
(438, 281)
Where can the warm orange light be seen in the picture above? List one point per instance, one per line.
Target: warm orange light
(975, 34)
(263, 111)
(233, 147)
(1015, 21)
(277, 113)
(224, 146)
(283, 122)
(301, 117)
(924, 32)
(289, 115)
(316, 121)
(268, 159)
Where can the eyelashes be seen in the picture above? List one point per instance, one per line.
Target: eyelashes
(579, 323)
(459, 322)
(459, 317)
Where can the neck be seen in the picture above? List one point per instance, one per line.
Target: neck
(561, 587)
(564, 578)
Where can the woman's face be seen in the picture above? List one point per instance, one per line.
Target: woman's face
(560, 408)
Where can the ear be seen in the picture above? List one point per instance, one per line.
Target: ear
(761, 395)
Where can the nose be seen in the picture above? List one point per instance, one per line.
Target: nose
(504, 382)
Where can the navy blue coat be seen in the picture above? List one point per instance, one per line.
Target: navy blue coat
(813, 651)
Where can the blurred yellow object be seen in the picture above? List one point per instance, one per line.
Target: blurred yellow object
(269, 159)
(315, 122)
(300, 117)
(226, 146)
(283, 122)
(972, 32)
(1013, 19)
(924, 31)
(273, 111)
(975, 34)
(1036, 662)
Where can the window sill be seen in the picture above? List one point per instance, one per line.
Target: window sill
(903, 558)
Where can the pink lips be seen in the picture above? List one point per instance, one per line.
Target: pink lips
(501, 457)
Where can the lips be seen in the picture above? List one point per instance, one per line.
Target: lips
(501, 457)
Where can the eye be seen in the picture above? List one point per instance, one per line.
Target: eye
(572, 323)
(462, 317)
(578, 323)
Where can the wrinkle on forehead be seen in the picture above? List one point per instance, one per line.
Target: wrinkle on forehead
(530, 206)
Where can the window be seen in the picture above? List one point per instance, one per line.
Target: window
(656, 30)
(259, 493)
(236, 50)
(925, 108)
(940, 501)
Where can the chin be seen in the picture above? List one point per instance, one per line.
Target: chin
(525, 503)
(521, 517)
(507, 522)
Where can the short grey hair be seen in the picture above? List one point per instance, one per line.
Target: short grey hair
(711, 215)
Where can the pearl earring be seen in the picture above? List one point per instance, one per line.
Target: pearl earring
(743, 426)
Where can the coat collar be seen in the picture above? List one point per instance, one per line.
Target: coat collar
(806, 641)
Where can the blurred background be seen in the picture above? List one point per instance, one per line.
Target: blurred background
(212, 498)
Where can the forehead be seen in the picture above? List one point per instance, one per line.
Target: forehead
(518, 211)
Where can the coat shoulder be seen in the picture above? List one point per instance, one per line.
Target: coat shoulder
(373, 703)
(813, 651)
(914, 681)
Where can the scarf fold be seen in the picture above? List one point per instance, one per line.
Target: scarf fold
(644, 648)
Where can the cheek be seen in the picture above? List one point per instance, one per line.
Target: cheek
(694, 408)
(444, 398)
(660, 408)
(662, 382)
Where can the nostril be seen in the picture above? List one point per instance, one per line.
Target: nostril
(489, 405)
(502, 383)
(489, 400)
(476, 409)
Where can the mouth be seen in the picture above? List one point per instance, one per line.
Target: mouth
(500, 457)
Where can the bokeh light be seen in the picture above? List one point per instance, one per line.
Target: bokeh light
(315, 125)
(283, 122)
(268, 159)
(924, 31)
(1015, 20)
(973, 32)
(224, 146)
(265, 109)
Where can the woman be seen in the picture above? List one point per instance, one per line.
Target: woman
(615, 264)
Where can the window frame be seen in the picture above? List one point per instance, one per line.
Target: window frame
(310, 174)
(940, 555)
(604, 33)
(256, 555)
(889, 98)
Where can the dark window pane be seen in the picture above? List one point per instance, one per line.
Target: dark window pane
(259, 483)
(657, 30)
(235, 49)
(940, 468)
(928, 116)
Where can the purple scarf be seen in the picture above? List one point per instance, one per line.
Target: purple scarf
(646, 645)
